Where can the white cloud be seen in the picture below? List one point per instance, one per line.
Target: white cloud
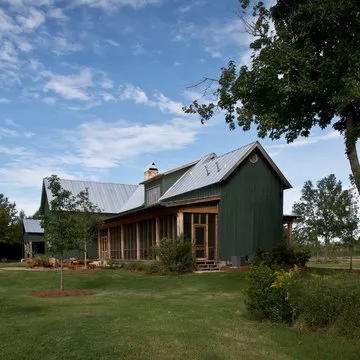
(178, 37)
(161, 102)
(167, 105)
(112, 42)
(4, 132)
(73, 86)
(306, 141)
(49, 100)
(177, 63)
(4, 100)
(63, 47)
(57, 13)
(106, 84)
(32, 20)
(103, 145)
(135, 94)
(114, 4)
(11, 122)
(138, 49)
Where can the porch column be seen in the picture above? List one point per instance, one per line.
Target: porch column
(108, 244)
(30, 249)
(137, 241)
(122, 241)
(180, 223)
(157, 233)
(99, 248)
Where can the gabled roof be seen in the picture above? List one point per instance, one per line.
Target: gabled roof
(170, 171)
(135, 201)
(213, 169)
(109, 197)
(32, 226)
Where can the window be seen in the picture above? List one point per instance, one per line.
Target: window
(115, 243)
(153, 195)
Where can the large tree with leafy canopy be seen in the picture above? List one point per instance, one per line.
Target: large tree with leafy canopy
(305, 72)
(325, 212)
(9, 221)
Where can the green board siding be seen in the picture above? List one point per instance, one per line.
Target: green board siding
(30, 237)
(251, 210)
(165, 182)
(208, 191)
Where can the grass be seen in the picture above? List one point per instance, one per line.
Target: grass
(12, 264)
(135, 316)
(334, 266)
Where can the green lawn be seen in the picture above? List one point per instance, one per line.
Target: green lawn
(12, 264)
(334, 266)
(134, 316)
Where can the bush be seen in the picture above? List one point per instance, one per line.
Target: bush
(41, 260)
(281, 256)
(154, 267)
(313, 301)
(330, 302)
(176, 255)
(269, 293)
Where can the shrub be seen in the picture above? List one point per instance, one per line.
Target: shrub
(41, 260)
(154, 267)
(176, 255)
(281, 256)
(330, 302)
(269, 293)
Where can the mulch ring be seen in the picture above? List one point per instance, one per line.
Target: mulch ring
(61, 293)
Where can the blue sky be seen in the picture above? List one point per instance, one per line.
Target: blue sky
(93, 90)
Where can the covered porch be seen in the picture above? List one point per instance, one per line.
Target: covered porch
(133, 236)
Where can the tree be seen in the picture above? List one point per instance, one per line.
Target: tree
(305, 72)
(8, 220)
(88, 220)
(324, 212)
(60, 223)
(351, 230)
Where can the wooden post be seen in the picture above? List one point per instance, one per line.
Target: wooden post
(30, 249)
(122, 240)
(216, 239)
(180, 223)
(137, 241)
(108, 244)
(99, 246)
(157, 233)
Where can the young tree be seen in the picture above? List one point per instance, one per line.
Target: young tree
(8, 220)
(60, 223)
(305, 72)
(324, 211)
(88, 220)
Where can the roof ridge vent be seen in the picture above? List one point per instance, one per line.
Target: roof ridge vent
(217, 166)
(207, 170)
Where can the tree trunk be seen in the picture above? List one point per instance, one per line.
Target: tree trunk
(351, 136)
(85, 250)
(326, 249)
(61, 273)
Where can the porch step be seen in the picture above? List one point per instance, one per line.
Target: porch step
(207, 265)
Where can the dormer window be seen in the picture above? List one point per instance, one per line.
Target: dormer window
(153, 195)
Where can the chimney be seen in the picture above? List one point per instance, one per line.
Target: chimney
(150, 171)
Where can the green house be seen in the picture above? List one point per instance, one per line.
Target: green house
(225, 205)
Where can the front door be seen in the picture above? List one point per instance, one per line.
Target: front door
(200, 242)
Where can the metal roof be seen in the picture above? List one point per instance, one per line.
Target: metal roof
(136, 200)
(109, 197)
(211, 169)
(33, 226)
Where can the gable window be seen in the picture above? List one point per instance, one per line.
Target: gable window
(153, 195)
